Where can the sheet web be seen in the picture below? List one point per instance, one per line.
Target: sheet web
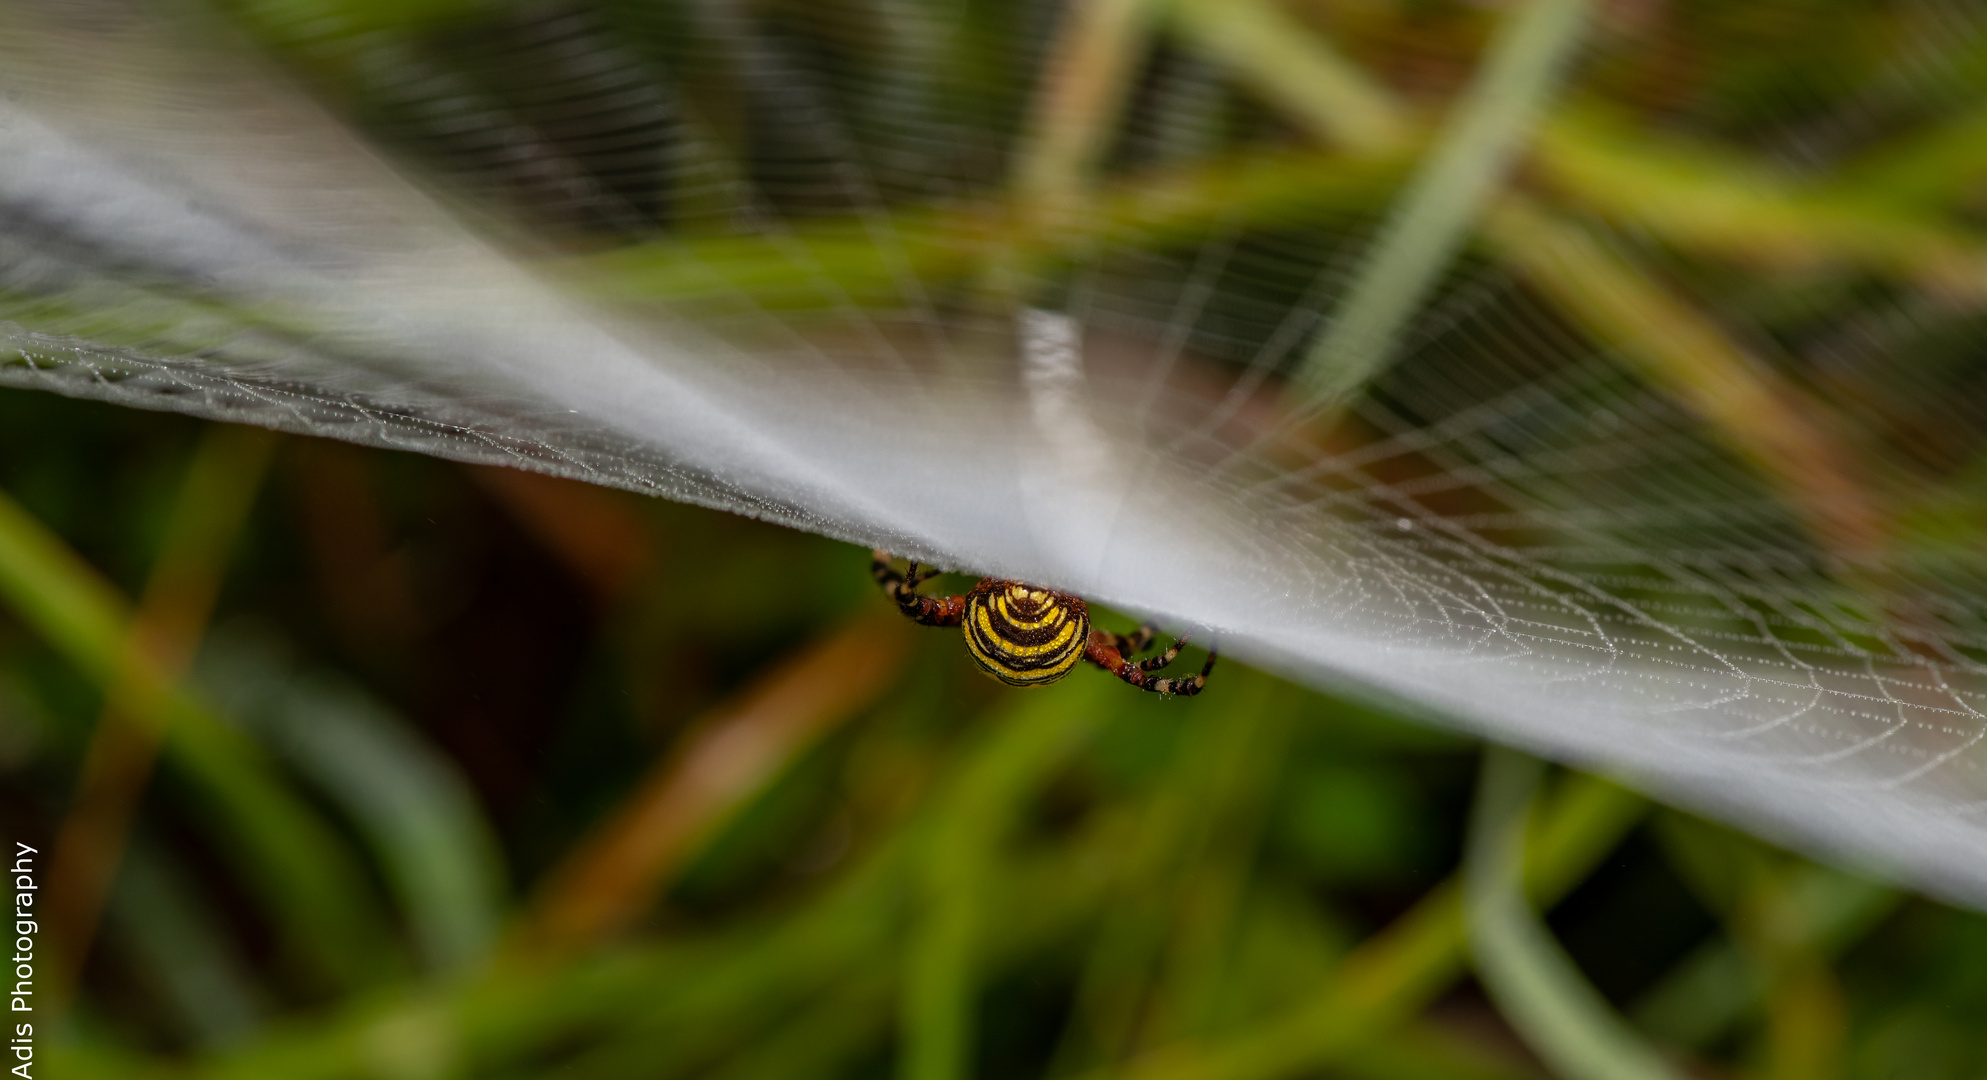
(1672, 464)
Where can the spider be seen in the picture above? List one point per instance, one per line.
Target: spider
(1025, 635)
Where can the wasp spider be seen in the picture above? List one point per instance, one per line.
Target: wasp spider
(1025, 635)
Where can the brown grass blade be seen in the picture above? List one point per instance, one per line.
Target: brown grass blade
(731, 753)
(165, 631)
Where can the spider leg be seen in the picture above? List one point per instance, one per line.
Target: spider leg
(1103, 652)
(929, 610)
(1154, 663)
(1135, 642)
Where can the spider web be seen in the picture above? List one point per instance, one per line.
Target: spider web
(1672, 468)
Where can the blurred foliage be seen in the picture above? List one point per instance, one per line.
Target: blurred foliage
(405, 769)
(450, 693)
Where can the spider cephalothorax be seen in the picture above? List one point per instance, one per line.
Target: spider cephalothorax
(1025, 635)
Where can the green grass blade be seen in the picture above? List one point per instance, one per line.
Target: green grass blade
(1534, 983)
(58, 595)
(1023, 743)
(1293, 68)
(288, 855)
(183, 951)
(412, 806)
(1404, 967)
(1432, 219)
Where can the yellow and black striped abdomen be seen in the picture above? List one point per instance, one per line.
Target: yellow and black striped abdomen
(1023, 635)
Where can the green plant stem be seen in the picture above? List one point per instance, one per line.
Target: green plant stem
(1487, 129)
(1927, 169)
(1722, 206)
(1171, 205)
(1534, 983)
(1726, 205)
(1287, 64)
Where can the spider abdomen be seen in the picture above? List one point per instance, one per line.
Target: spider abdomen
(1024, 635)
